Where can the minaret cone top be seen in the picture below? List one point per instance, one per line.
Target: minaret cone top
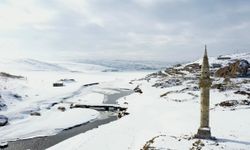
(205, 66)
(205, 54)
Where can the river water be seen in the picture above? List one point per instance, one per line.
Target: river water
(41, 143)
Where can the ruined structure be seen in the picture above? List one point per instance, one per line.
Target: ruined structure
(204, 84)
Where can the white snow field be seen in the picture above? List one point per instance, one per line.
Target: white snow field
(166, 116)
(31, 91)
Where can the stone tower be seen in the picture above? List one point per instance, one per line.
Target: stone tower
(204, 84)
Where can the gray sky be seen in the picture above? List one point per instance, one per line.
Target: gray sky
(166, 30)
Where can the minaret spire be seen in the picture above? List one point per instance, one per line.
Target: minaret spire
(204, 84)
(205, 54)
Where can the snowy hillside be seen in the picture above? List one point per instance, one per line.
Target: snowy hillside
(36, 65)
(31, 106)
(125, 65)
(166, 115)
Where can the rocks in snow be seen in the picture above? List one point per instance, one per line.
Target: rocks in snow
(58, 84)
(238, 68)
(3, 120)
(35, 114)
(3, 145)
(168, 83)
(138, 90)
(218, 86)
(17, 96)
(3, 106)
(61, 108)
(243, 67)
(7, 75)
(195, 67)
(243, 93)
(234, 103)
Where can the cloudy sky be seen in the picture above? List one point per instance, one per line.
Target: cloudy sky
(166, 30)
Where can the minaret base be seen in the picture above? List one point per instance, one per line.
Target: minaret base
(204, 133)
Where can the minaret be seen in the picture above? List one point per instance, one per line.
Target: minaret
(204, 84)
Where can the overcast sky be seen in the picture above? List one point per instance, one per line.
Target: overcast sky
(167, 30)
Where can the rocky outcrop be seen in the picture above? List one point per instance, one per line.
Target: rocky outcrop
(243, 67)
(168, 83)
(35, 114)
(138, 90)
(238, 68)
(7, 75)
(3, 145)
(61, 108)
(195, 67)
(243, 93)
(3, 106)
(58, 84)
(234, 103)
(3, 120)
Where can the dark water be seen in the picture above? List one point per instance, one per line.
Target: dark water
(41, 143)
(112, 98)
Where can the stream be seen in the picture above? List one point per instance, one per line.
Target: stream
(41, 143)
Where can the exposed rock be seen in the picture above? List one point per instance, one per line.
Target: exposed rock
(148, 144)
(177, 65)
(227, 81)
(242, 93)
(3, 106)
(58, 84)
(138, 90)
(3, 145)
(168, 83)
(197, 145)
(160, 74)
(233, 103)
(16, 96)
(122, 114)
(238, 68)
(53, 104)
(174, 72)
(119, 115)
(7, 75)
(165, 94)
(218, 86)
(243, 67)
(35, 114)
(91, 84)
(61, 108)
(3, 120)
(195, 67)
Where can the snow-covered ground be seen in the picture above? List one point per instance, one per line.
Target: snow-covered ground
(166, 116)
(31, 102)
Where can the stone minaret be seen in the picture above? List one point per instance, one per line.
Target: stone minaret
(204, 84)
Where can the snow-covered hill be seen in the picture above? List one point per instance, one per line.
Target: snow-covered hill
(37, 65)
(126, 65)
(166, 115)
(30, 101)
